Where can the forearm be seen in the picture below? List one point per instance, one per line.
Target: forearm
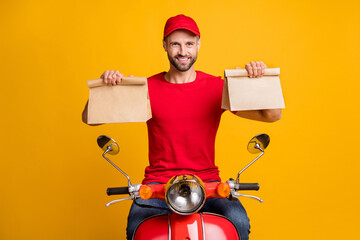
(266, 115)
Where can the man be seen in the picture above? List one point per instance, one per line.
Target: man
(186, 108)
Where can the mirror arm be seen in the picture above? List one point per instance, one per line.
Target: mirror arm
(257, 146)
(108, 149)
(117, 168)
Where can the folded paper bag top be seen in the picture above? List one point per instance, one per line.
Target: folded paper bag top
(244, 72)
(124, 102)
(243, 93)
(124, 81)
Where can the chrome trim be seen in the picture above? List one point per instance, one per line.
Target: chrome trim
(134, 188)
(169, 224)
(236, 194)
(113, 164)
(119, 200)
(203, 226)
(185, 181)
(238, 176)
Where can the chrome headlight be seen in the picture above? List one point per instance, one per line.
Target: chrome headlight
(185, 194)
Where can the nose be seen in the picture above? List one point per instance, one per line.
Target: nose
(182, 50)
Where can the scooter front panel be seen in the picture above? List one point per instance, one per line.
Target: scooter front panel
(218, 227)
(156, 227)
(186, 227)
(203, 226)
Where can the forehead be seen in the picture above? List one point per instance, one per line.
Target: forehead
(182, 35)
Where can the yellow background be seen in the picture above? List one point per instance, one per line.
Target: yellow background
(53, 178)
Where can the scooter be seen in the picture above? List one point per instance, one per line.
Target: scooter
(185, 195)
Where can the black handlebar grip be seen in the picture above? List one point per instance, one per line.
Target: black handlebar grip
(117, 191)
(248, 186)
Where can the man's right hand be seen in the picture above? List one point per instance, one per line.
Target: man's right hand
(112, 77)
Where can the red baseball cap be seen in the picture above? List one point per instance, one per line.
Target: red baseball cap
(181, 22)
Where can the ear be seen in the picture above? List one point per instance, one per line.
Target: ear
(165, 45)
(198, 44)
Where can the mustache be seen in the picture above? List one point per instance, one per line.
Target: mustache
(179, 55)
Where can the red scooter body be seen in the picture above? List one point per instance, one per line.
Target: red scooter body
(196, 226)
(185, 195)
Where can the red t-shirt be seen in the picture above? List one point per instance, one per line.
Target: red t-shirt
(182, 130)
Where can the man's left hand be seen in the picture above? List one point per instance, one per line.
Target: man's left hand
(255, 69)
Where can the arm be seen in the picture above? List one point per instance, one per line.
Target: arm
(266, 115)
(110, 78)
(256, 70)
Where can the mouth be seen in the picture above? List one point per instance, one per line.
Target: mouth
(183, 59)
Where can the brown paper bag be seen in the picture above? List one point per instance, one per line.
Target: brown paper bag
(243, 93)
(126, 102)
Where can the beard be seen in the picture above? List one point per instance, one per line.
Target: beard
(182, 67)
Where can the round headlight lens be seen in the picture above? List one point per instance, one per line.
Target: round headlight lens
(185, 194)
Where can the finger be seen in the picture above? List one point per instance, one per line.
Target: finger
(263, 66)
(105, 77)
(118, 77)
(253, 66)
(237, 67)
(249, 69)
(111, 77)
(258, 69)
(130, 76)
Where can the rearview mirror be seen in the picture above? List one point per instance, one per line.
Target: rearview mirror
(105, 142)
(258, 143)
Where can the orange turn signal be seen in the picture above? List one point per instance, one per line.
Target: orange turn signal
(223, 189)
(145, 192)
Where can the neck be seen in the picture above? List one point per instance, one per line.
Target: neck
(177, 77)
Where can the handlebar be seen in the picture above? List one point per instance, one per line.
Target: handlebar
(117, 191)
(248, 186)
(125, 190)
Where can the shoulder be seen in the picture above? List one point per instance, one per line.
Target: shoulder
(210, 79)
(155, 77)
(203, 75)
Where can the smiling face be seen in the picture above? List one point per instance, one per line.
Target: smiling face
(182, 47)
